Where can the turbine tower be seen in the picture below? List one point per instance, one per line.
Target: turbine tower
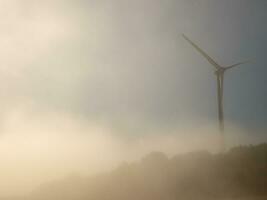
(219, 73)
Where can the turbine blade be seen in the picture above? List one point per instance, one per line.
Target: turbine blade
(203, 53)
(237, 64)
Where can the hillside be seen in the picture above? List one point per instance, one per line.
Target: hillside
(240, 173)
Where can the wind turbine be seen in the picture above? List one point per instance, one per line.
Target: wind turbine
(219, 72)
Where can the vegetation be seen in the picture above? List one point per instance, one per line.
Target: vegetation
(239, 173)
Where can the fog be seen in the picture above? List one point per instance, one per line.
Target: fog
(86, 85)
(35, 149)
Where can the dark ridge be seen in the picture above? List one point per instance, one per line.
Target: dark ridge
(240, 173)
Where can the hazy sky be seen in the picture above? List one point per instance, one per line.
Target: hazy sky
(114, 60)
(109, 68)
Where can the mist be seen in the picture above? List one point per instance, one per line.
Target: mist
(36, 149)
(87, 85)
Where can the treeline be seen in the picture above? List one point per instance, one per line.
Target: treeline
(241, 172)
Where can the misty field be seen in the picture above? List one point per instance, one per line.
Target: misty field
(239, 174)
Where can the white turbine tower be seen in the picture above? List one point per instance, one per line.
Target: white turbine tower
(219, 72)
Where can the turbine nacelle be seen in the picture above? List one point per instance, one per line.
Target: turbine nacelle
(220, 70)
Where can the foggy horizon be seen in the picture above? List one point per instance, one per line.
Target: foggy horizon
(87, 85)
